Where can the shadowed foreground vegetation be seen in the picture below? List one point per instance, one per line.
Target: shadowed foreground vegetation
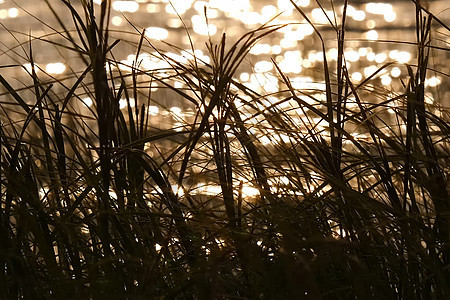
(254, 196)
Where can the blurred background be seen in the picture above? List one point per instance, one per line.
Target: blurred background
(376, 33)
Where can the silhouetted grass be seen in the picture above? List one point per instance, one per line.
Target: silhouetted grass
(249, 198)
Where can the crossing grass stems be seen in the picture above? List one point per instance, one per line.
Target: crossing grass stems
(88, 213)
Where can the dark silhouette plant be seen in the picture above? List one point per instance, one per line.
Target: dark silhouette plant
(97, 203)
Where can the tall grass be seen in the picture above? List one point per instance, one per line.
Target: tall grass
(249, 197)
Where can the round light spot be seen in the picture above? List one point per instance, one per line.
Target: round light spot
(396, 72)
(244, 76)
(117, 21)
(372, 35)
(87, 101)
(13, 12)
(356, 76)
(359, 15)
(370, 24)
(55, 68)
(390, 16)
(386, 80)
(3, 13)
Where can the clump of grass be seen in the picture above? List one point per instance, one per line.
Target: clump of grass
(98, 202)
